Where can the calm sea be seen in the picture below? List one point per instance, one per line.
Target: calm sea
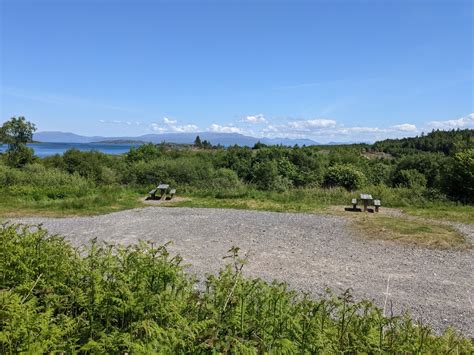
(46, 149)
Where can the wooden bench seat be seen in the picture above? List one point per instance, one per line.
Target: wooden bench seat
(171, 194)
(377, 205)
(152, 194)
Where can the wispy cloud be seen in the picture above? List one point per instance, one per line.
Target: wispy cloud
(343, 81)
(61, 99)
(404, 127)
(168, 125)
(463, 122)
(308, 125)
(254, 119)
(119, 122)
(225, 129)
(323, 129)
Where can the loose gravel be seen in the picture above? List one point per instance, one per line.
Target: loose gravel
(310, 252)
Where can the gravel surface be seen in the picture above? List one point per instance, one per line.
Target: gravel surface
(310, 252)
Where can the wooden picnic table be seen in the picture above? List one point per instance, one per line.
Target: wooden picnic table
(366, 199)
(163, 189)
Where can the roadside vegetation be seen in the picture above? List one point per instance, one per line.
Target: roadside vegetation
(430, 176)
(139, 299)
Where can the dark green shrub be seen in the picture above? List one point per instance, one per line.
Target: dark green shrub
(224, 179)
(410, 178)
(266, 177)
(346, 176)
(19, 156)
(460, 182)
(146, 152)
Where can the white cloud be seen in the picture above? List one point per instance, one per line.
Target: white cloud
(254, 119)
(186, 128)
(308, 125)
(463, 122)
(361, 130)
(171, 125)
(404, 127)
(224, 129)
(169, 121)
(155, 127)
(119, 122)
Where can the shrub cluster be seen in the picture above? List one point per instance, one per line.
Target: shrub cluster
(138, 299)
(434, 174)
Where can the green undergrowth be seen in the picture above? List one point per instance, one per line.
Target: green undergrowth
(65, 201)
(138, 299)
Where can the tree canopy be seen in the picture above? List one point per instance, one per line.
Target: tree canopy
(17, 131)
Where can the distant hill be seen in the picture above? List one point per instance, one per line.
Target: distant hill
(226, 139)
(120, 141)
(64, 137)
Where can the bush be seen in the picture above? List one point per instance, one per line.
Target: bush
(146, 152)
(346, 176)
(460, 184)
(180, 171)
(266, 177)
(19, 155)
(410, 178)
(225, 179)
(137, 299)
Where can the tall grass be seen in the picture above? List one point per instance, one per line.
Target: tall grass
(138, 299)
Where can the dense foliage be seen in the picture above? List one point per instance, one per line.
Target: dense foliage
(16, 133)
(138, 299)
(435, 167)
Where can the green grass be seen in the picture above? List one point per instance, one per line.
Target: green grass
(91, 201)
(296, 200)
(320, 200)
(418, 232)
(60, 201)
(454, 213)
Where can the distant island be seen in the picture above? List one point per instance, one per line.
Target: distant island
(225, 139)
(120, 141)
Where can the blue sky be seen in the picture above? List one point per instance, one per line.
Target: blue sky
(326, 70)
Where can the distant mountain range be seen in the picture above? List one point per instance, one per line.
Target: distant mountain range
(225, 139)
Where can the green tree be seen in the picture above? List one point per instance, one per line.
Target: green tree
(460, 183)
(411, 178)
(266, 177)
(197, 142)
(206, 144)
(346, 176)
(146, 152)
(16, 133)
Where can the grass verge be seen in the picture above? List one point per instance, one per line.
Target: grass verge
(453, 213)
(322, 201)
(91, 202)
(417, 232)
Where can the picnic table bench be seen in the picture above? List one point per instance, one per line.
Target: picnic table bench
(367, 200)
(162, 189)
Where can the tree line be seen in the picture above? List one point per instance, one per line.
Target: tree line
(439, 165)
